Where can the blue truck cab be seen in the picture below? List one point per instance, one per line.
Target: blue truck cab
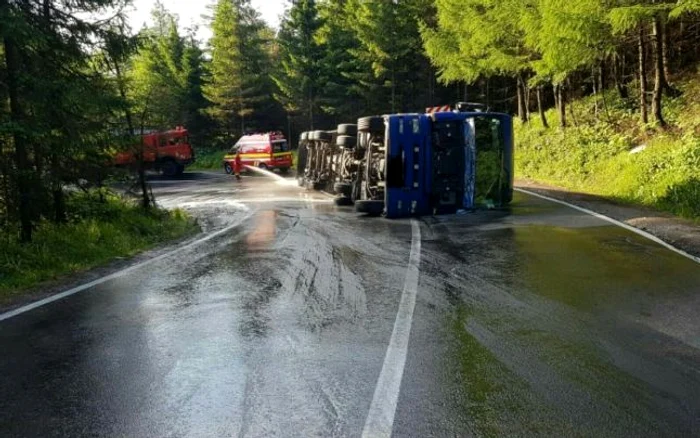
(439, 163)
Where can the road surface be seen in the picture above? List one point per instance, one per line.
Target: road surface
(295, 321)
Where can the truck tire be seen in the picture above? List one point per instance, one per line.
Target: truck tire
(227, 168)
(342, 201)
(369, 207)
(346, 141)
(344, 189)
(372, 125)
(347, 129)
(322, 136)
(180, 170)
(169, 168)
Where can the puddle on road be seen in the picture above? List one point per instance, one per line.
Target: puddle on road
(601, 266)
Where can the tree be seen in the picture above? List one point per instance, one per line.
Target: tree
(238, 83)
(299, 76)
(480, 38)
(55, 107)
(390, 44)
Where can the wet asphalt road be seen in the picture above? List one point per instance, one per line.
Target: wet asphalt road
(538, 321)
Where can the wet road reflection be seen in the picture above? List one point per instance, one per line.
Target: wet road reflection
(532, 321)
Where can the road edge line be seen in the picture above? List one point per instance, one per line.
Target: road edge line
(621, 224)
(59, 296)
(380, 419)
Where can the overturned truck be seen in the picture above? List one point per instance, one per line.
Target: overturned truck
(414, 164)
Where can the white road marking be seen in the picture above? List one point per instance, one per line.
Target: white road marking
(615, 222)
(82, 287)
(380, 420)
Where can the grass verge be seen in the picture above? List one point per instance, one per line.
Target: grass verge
(98, 230)
(608, 152)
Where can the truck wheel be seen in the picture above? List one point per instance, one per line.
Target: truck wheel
(347, 142)
(347, 129)
(180, 170)
(370, 207)
(342, 201)
(228, 169)
(372, 125)
(169, 168)
(262, 166)
(344, 189)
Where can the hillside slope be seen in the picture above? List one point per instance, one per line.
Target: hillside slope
(610, 153)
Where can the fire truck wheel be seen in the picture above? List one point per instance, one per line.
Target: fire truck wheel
(169, 168)
(347, 129)
(227, 168)
(370, 207)
(372, 125)
(180, 170)
(262, 166)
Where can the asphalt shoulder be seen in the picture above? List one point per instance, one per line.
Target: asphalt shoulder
(681, 233)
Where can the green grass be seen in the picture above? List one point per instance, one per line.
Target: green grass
(594, 155)
(208, 160)
(96, 233)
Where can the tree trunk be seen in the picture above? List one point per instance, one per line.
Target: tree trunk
(540, 108)
(59, 202)
(594, 81)
(642, 77)
(20, 143)
(664, 42)
(659, 79)
(619, 76)
(521, 100)
(141, 171)
(561, 106)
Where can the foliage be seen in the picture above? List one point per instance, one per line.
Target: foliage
(97, 231)
(239, 85)
(299, 76)
(596, 156)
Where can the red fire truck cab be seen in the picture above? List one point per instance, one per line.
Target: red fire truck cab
(266, 151)
(166, 151)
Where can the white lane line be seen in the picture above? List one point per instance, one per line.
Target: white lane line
(380, 420)
(615, 222)
(82, 287)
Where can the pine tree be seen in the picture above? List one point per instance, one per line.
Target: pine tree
(236, 86)
(299, 76)
(391, 46)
